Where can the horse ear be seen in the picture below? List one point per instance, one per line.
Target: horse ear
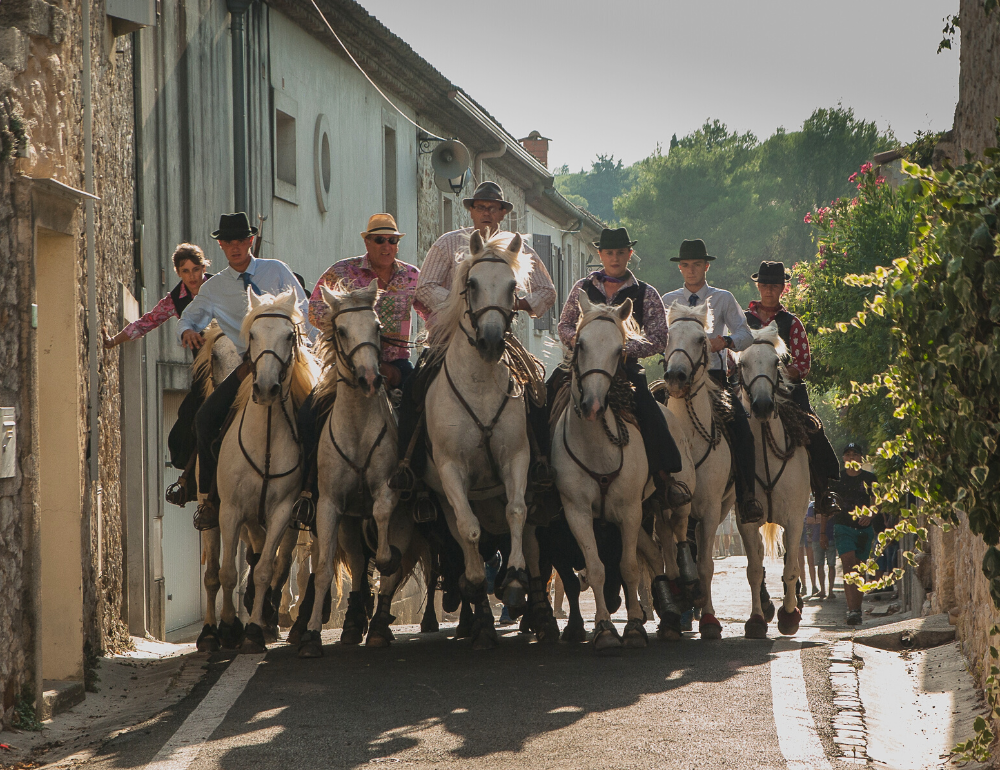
(515, 244)
(624, 310)
(255, 301)
(330, 298)
(475, 243)
(773, 325)
(372, 289)
(584, 302)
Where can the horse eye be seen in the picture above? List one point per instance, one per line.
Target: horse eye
(291, 336)
(341, 332)
(473, 284)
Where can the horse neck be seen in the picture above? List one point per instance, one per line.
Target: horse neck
(701, 403)
(588, 438)
(352, 409)
(758, 425)
(465, 363)
(255, 417)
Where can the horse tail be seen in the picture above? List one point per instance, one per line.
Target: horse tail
(771, 533)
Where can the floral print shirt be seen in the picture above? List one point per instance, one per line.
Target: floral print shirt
(393, 305)
(159, 315)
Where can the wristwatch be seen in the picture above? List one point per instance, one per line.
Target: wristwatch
(729, 342)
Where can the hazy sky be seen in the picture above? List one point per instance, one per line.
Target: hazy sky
(619, 77)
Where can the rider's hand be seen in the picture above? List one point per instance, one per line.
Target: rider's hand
(392, 375)
(717, 343)
(109, 342)
(192, 340)
(522, 304)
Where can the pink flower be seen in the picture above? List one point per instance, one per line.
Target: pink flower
(859, 187)
(866, 168)
(822, 264)
(854, 201)
(880, 180)
(852, 177)
(822, 249)
(808, 218)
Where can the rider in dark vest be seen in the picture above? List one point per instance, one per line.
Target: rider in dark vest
(824, 465)
(612, 286)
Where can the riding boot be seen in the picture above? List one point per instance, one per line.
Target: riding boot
(745, 465)
(661, 450)
(206, 517)
(666, 605)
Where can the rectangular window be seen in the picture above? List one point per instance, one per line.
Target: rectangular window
(542, 244)
(285, 147)
(389, 161)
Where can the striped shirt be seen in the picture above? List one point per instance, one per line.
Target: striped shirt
(439, 267)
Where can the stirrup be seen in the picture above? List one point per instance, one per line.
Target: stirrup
(424, 509)
(177, 493)
(303, 513)
(750, 511)
(206, 517)
(404, 481)
(678, 494)
(828, 503)
(541, 475)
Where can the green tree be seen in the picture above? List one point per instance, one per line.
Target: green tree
(598, 187)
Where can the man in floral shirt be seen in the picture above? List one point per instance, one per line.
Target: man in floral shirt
(771, 279)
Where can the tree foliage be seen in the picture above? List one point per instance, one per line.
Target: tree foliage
(596, 189)
(744, 197)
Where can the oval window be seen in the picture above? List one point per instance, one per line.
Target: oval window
(322, 163)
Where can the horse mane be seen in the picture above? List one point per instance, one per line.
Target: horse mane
(770, 335)
(305, 369)
(629, 328)
(678, 310)
(326, 350)
(201, 369)
(449, 315)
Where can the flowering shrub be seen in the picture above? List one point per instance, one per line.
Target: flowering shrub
(853, 236)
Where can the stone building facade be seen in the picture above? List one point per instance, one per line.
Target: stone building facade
(66, 250)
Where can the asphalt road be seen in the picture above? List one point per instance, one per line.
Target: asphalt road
(430, 701)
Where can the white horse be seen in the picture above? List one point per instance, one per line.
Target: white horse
(356, 457)
(690, 389)
(602, 472)
(782, 478)
(259, 472)
(476, 420)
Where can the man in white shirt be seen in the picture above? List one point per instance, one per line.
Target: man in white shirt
(224, 297)
(730, 333)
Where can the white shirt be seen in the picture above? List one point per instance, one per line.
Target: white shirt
(224, 297)
(729, 317)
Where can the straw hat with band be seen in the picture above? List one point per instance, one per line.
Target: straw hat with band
(382, 224)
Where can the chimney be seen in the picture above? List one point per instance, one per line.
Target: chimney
(538, 146)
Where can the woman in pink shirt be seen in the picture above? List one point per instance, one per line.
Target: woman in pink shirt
(190, 265)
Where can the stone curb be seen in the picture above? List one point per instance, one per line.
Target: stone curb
(850, 731)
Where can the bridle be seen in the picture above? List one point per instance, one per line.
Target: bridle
(575, 365)
(696, 366)
(775, 383)
(475, 315)
(265, 474)
(348, 357)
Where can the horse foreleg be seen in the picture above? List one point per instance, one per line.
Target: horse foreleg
(651, 555)
(635, 634)
(208, 640)
(324, 548)
(709, 626)
(516, 582)
(254, 640)
(541, 619)
(465, 528)
(581, 524)
(388, 553)
(230, 626)
(753, 546)
(356, 617)
(574, 631)
(279, 579)
(789, 614)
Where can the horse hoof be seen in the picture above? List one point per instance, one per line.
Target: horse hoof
(574, 633)
(635, 635)
(208, 640)
(769, 611)
(310, 645)
(352, 636)
(709, 627)
(799, 602)
(379, 637)
(392, 566)
(271, 634)
(486, 639)
(253, 640)
(668, 633)
(230, 633)
(451, 599)
(284, 620)
(788, 622)
(430, 625)
(548, 633)
(515, 591)
(755, 628)
(606, 637)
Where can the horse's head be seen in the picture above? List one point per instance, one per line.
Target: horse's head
(270, 331)
(354, 335)
(760, 370)
(598, 352)
(490, 279)
(686, 356)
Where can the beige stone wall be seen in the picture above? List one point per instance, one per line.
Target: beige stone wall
(41, 71)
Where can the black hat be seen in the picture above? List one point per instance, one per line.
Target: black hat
(853, 447)
(614, 239)
(488, 191)
(772, 273)
(694, 249)
(234, 227)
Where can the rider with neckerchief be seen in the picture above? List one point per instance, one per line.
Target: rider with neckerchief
(612, 285)
(694, 262)
(771, 278)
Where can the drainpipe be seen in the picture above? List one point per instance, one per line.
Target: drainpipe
(94, 404)
(477, 164)
(237, 9)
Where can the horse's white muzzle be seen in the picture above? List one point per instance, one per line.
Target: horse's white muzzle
(762, 407)
(369, 380)
(266, 394)
(490, 342)
(678, 379)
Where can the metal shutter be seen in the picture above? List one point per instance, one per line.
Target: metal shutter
(542, 244)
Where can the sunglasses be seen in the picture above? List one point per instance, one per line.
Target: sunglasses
(489, 209)
(381, 239)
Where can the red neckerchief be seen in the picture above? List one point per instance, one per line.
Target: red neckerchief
(765, 316)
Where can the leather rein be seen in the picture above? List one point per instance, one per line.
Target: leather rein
(768, 441)
(712, 434)
(604, 480)
(265, 474)
(348, 359)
